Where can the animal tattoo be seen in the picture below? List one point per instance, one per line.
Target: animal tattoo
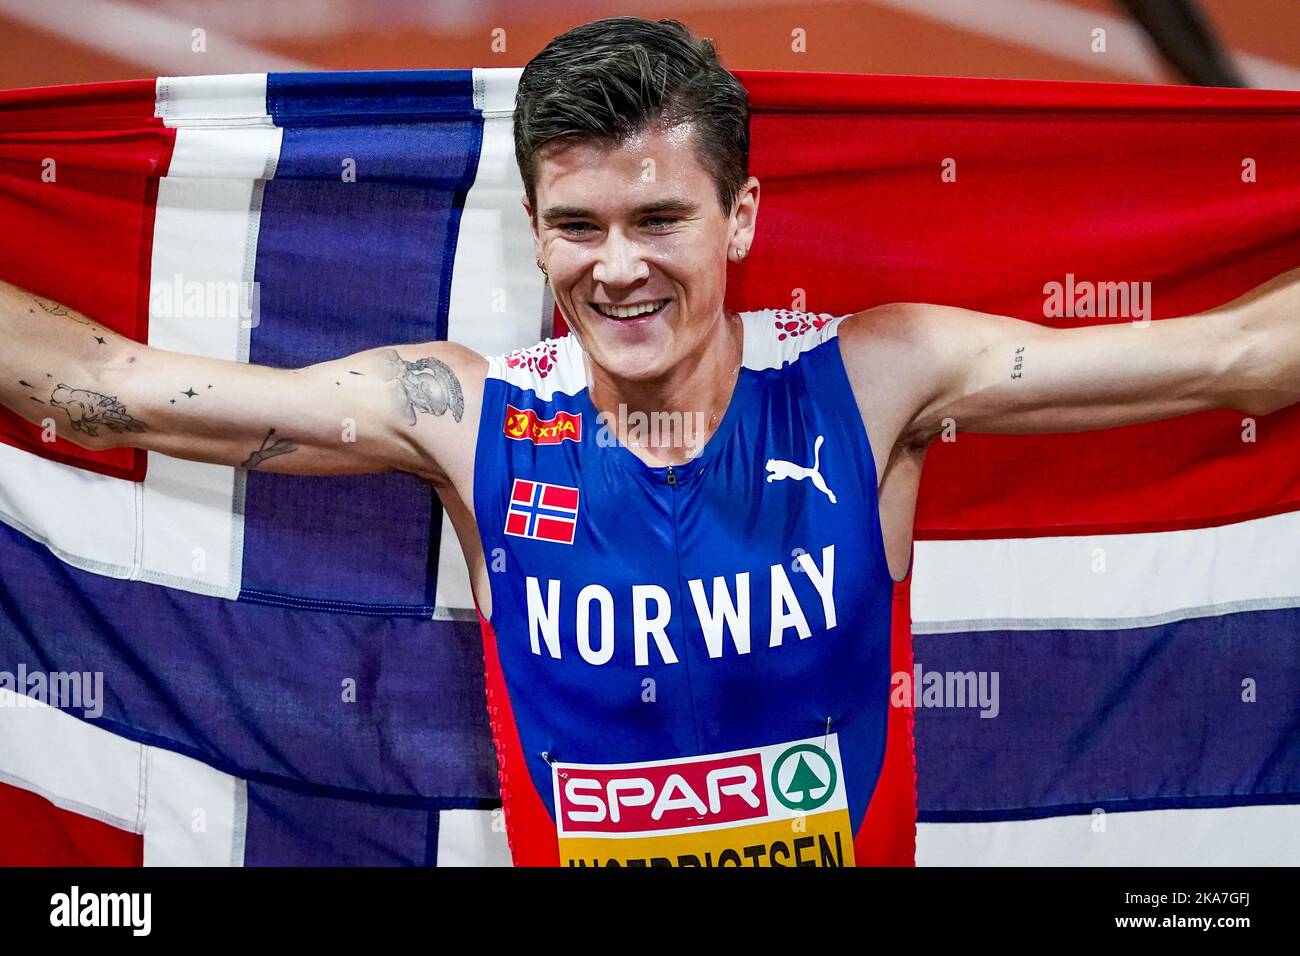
(88, 410)
(427, 385)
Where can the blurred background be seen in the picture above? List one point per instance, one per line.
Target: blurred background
(1206, 42)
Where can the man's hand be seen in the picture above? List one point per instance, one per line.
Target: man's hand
(975, 372)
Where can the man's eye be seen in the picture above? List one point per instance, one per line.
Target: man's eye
(657, 223)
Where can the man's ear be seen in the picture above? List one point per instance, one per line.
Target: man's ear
(745, 214)
(532, 225)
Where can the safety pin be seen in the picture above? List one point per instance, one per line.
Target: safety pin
(551, 763)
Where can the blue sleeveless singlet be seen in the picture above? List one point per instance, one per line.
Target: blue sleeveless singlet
(689, 664)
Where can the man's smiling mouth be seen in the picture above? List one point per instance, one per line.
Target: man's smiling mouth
(638, 310)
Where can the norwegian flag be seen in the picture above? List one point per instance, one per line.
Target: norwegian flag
(1116, 686)
(539, 510)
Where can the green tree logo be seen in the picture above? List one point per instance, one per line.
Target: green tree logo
(811, 784)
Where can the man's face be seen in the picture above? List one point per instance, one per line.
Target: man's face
(631, 225)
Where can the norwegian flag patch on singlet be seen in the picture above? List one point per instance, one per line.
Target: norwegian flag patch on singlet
(542, 511)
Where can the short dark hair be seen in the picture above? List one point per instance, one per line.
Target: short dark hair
(609, 79)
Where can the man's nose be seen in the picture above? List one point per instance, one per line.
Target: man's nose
(619, 261)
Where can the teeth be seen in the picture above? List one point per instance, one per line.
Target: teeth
(629, 312)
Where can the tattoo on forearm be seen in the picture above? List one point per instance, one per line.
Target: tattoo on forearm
(1018, 363)
(427, 385)
(268, 449)
(50, 307)
(88, 410)
(31, 398)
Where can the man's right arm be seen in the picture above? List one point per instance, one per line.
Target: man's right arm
(398, 408)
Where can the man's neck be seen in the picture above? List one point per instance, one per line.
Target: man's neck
(668, 420)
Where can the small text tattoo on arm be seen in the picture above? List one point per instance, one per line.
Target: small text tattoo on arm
(1019, 363)
(426, 385)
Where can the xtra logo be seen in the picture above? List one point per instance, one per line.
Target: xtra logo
(524, 425)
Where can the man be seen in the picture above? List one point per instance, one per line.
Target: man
(687, 627)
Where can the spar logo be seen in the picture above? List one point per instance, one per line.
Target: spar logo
(664, 796)
(759, 785)
(524, 425)
(803, 778)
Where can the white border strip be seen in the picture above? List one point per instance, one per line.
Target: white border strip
(472, 838)
(189, 813)
(84, 518)
(205, 232)
(1229, 836)
(1106, 581)
(194, 815)
(227, 99)
(496, 291)
(183, 525)
(494, 93)
(68, 761)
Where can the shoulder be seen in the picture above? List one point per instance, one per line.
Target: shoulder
(551, 366)
(904, 344)
(892, 325)
(898, 357)
(775, 338)
(396, 361)
(921, 331)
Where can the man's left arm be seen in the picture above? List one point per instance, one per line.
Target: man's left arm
(992, 373)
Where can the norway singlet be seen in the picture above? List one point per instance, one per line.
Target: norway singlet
(690, 665)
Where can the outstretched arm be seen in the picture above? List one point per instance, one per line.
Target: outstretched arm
(992, 373)
(392, 408)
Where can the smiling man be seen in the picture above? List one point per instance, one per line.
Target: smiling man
(687, 629)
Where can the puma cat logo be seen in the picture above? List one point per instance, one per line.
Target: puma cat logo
(779, 470)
